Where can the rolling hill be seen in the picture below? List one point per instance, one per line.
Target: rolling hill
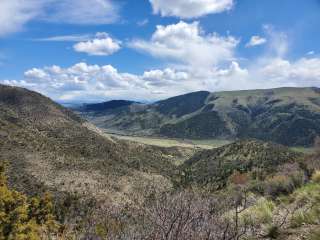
(100, 181)
(289, 116)
(105, 106)
(215, 166)
(48, 147)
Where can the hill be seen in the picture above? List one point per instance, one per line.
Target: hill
(215, 166)
(99, 183)
(289, 116)
(105, 106)
(48, 147)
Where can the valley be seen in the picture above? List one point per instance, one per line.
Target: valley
(288, 116)
(159, 120)
(95, 184)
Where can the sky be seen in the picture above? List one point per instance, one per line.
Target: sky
(146, 50)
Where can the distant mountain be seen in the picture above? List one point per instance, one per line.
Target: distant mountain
(290, 116)
(105, 106)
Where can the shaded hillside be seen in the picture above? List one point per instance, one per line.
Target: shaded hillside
(215, 166)
(105, 106)
(290, 116)
(49, 147)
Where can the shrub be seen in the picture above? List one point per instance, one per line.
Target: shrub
(284, 184)
(314, 235)
(306, 201)
(302, 217)
(316, 177)
(21, 217)
(260, 213)
(238, 178)
(256, 186)
(273, 232)
(278, 185)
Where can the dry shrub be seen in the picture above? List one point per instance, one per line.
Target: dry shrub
(316, 177)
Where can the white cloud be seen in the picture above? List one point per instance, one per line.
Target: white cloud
(256, 41)
(15, 14)
(66, 38)
(83, 11)
(102, 45)
(187, 43)
(205, 62)
(281, 72)
(81, 78)
(83, 82)
(190, 8)
(164, 77)
(278, 43)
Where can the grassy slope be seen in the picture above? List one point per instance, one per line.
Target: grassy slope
(290, 116)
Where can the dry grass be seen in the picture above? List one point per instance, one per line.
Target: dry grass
(169, 142)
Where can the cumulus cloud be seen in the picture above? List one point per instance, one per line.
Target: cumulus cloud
(164, 77)
(201, 61)
(84, 82)
(190, 8)
(303, 72)
(102, 45)
(15, 14)
(60, 83)
(187, 43)
(256, 41)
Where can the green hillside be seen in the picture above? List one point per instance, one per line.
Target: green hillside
(290, 116)
(214, 167)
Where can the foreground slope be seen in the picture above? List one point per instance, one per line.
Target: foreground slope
(49, 147)
(290, 116)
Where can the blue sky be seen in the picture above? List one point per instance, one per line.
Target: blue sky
(94, 50)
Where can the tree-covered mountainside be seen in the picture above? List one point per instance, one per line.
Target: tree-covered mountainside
(290, 116)
(105, 106)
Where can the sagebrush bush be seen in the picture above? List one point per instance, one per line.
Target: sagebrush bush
(284, 184)
(316, 177)
(260, 213)
(314, 235)
(278, 185)
(306, 200)
(303, 216)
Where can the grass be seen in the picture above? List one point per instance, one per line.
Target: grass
(170, 142)
(304, 150)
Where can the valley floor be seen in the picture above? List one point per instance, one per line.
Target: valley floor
(185, 143)
(172, 142)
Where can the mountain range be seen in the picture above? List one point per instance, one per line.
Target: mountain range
(289, 116)
(102, 182)
(48, 147)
